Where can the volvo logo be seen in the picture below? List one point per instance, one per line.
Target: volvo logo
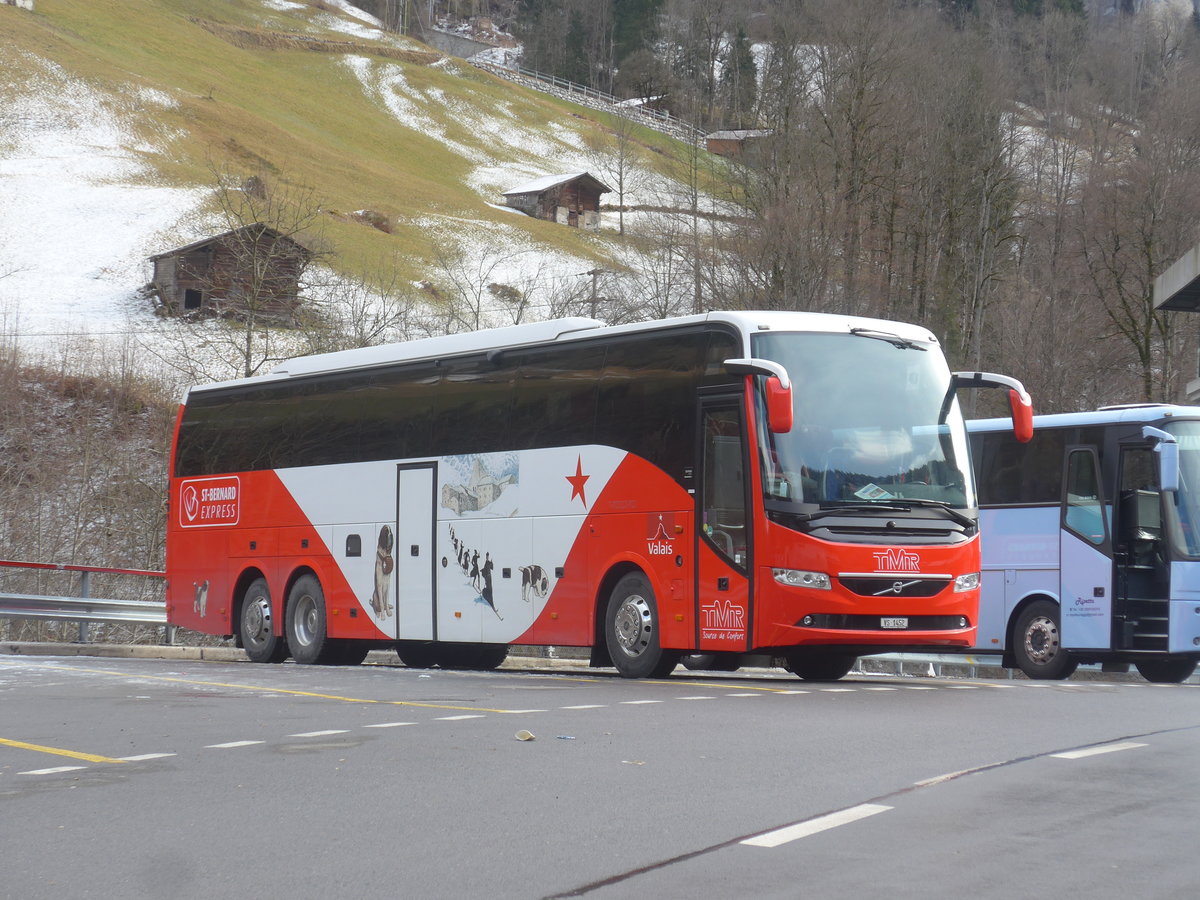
(895, 588)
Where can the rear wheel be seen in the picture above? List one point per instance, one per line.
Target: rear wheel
(307, 634)
(417, 655)
(476, 657)
(632, 630)
(820, 665)
(1171, 670)
(256, 626)
(1037, 643)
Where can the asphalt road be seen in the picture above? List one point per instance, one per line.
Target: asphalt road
(179, 779)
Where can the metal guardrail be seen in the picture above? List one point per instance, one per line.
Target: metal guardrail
(653, 118)
(83, 608)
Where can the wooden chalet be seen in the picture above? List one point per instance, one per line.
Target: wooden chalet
(737, 144)
(567, 199)
(252, 266)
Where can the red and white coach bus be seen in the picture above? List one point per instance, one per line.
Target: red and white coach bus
(784, 483)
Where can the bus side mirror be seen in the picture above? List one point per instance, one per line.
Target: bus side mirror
(1022, 415)
(1168, 457)
(779, 406)
(1018, 398)
(778, 389)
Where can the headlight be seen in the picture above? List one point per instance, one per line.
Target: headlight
(818, 581)
(968, 582)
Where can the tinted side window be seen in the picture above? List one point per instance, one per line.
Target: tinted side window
(646, 402)
(474, 407)
(1009, 472)
(554, 404)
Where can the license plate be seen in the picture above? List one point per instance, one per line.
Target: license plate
(893, 623)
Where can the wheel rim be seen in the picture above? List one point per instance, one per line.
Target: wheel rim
(256, 630)
(307, 619)
(634, 625)
(1041, 640)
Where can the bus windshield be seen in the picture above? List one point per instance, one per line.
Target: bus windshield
(876, 421)
(1185, 530)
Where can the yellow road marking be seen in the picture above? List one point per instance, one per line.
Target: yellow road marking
(74, 754)
(275, 690)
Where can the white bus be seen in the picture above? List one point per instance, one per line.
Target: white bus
(1091, 541)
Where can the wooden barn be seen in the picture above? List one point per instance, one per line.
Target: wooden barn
(567, 199)
(254, 266)
(739, 144)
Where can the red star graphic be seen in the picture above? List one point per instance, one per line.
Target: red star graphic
(577, 481)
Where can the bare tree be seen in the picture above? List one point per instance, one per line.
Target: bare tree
(616, 161)
(1142, 201)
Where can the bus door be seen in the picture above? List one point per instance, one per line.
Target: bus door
(1140, 609)
(414, 576)
(725, 541)
(1085, 554)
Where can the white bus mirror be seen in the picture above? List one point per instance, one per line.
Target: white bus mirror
(1168, 457)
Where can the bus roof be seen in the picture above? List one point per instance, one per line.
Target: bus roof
(1126, 413)
(512, 336)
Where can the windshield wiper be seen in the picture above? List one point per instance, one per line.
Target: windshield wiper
(963, 520)
(895, 505)
(894, 339)
(825, 511)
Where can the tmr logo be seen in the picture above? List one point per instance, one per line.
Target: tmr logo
(723, 621)
(897, 561)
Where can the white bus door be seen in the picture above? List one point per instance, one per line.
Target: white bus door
(1085, 555)
(414, 576)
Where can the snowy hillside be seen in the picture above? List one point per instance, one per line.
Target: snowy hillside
(97, 175)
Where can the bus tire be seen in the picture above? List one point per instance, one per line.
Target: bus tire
(473, 657)
(305, 623)
(1172, 670)
(1037, 643)
(820, 665)
(632, 630)
(256, 626)
(417, 654)
(712, 662)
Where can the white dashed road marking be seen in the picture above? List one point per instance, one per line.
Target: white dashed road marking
(56, 770)
(822, 823)
(1096, 751)
(321, 733)
(146, 756)
(233, 744)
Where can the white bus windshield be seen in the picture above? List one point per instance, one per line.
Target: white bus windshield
(875, 422)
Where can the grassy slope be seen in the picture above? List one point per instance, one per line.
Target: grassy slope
(301, 115)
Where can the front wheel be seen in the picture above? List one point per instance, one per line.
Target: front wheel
(820, 665)
(256, 626)
(1037, 643)
(632, 630)
(1172, 670)
(305, 624)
